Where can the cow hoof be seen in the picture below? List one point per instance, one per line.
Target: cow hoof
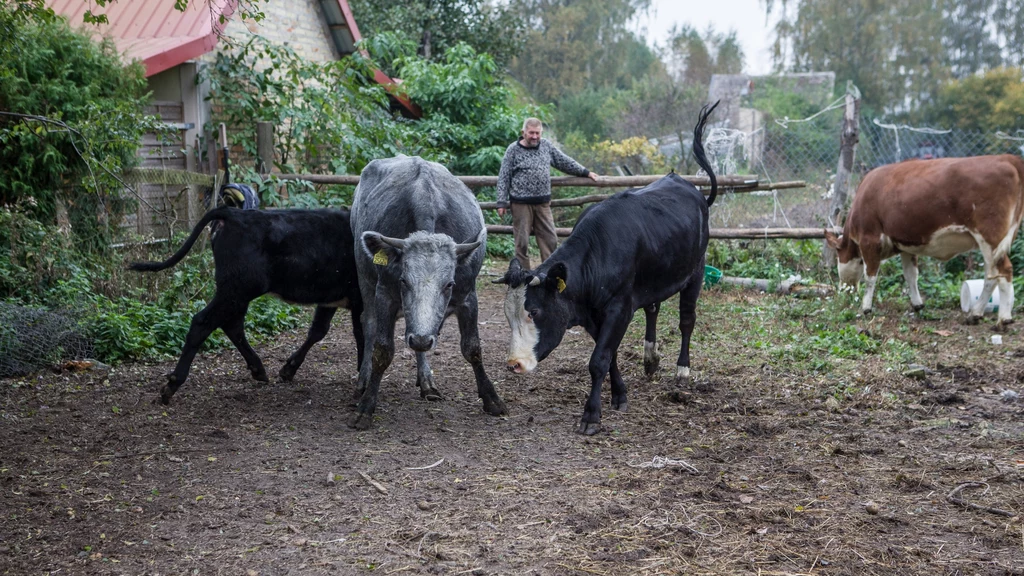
(1002, 326)
(972, 320)
(866, 312)
(260, 375)
(681, 381)
(495, 406)
(165, 396)
(589, 428)
(287, 373)
(621, 406)
(431, 395)
(918, 307)
(361, 421)
(651, 367)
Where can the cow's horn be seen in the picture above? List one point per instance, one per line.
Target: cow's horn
(395, 242)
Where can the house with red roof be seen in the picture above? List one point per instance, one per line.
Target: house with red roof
(172, 45)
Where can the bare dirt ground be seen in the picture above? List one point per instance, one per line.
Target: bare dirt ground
(794, 472)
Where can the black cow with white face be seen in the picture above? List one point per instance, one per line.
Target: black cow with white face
(631, 251)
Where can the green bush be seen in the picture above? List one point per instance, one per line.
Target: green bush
(469, 117)
(71, 123)
(771, 259)
(135, 326)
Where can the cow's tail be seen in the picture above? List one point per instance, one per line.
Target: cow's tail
(698, 148)
(221, 213)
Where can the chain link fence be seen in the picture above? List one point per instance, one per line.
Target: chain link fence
(809, 151)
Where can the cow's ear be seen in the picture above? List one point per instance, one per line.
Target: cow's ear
(381, 249)
(513, 276)
(557, 277)
(831, 239)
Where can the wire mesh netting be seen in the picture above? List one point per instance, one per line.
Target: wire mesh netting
(809, 152)
(32, 339)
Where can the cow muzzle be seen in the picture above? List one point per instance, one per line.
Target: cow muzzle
(521, 365)
(850, 273)
(421, 343)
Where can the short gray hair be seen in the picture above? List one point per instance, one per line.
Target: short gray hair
(532, 122)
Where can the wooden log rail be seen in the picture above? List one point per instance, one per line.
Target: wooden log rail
(730, 181)
(718, 233)
(734, 183)
(590, 199)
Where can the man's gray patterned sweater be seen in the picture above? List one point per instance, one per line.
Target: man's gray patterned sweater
(525, 176)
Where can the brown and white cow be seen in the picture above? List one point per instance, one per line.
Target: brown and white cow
(938, 208)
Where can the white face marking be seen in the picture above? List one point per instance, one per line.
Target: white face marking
(521, 358)
(850, 272)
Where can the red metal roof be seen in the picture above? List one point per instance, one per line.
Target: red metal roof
(154, 32)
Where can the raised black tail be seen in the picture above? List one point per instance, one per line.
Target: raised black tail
(698, 148)
(221, 213)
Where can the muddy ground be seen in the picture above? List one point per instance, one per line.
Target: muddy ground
(771, 469)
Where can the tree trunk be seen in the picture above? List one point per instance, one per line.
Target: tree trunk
(847, 152)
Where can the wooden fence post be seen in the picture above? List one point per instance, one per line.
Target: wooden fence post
(191, 201)
(265, 147)
(213, 163)
(847, 151)
(264, 151)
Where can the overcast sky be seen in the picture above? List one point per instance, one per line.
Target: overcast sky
(746, 17)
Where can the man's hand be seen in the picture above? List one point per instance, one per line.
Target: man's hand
(501, 211)
(592, 176)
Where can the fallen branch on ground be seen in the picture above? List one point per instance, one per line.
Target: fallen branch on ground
(662, 462)
(376, 485)
(955, 499)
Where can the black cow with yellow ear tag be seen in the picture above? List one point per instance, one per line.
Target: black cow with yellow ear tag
(631, 251)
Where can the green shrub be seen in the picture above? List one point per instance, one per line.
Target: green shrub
(32, 256)
(72, 121)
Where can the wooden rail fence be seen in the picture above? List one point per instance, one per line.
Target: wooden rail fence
(731, 183)
(718, 233)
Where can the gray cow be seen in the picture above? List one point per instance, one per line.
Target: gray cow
(423, 240)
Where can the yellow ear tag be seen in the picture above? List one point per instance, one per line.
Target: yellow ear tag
(561, 285)
(380, 258)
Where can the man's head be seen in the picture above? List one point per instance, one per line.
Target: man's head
(532, 130)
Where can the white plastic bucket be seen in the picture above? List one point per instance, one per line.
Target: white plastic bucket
(970, 291)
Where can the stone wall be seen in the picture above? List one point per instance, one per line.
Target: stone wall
(299, 24)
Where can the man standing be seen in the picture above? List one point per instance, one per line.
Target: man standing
(525, 182)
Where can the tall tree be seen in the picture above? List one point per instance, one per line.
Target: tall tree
(693, 57)
(574, 44)
(986, 102)
(438, 25)
(899, 52)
